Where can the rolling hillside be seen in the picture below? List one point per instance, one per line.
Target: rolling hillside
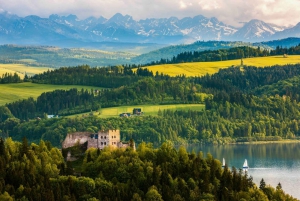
(202, 68)
(13, 92)
(147, 109)
(50, 56)
(22, 69)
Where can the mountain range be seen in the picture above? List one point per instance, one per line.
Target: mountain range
(70, 31)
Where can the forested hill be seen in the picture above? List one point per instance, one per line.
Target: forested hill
(170, 51)
(226, 54)
(289, 87)
(109, 77)
(245, 79)
(234, 110)
(167, 53)
(39, 172)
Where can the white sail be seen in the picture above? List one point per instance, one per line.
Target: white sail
(245, 164)
(223, 164)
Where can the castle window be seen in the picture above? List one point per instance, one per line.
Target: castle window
(112, 136)
(104, 143)
(101, 137)
(104, 137)
(101, 143)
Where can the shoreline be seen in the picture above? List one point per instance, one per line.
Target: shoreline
(268, 142)
(284, 141)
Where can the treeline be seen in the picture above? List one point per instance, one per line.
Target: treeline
(67, 102)
(226, 54)
(56, 102)
(246, 118)
(38, 172)
(214, 55)
(245, 79)
(10, 78)
(107, 77)
(283, 50)
(231, 114)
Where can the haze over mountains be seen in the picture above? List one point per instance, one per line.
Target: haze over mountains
(69, 31)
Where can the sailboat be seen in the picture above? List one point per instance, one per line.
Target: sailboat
(245, 165)
(223, 164)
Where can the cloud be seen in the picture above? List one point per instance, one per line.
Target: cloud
(280, 12)
(209, 5)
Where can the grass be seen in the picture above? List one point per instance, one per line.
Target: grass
(147, 109)
(16, 91)
(21, 69)
(202, 68)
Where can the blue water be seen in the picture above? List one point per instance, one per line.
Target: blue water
(276, 162)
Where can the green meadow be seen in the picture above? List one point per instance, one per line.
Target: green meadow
(146, 109)
(17, 91)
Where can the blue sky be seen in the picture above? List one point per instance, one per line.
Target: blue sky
(280, 12)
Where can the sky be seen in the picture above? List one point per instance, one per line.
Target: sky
(232, 12)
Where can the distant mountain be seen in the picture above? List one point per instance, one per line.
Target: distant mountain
(290, 32)
(255, 30)
(71, 31)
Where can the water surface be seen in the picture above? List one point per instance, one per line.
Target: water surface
(276, 162)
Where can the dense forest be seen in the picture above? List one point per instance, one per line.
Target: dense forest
(235, 109)
(242, 104)
(38, 172)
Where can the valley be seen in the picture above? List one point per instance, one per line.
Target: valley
(142, 100)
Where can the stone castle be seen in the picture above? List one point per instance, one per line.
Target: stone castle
(96, 140)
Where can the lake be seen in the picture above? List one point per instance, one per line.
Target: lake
(275, 162)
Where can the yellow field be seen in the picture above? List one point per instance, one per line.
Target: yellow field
(202, 68)
(20, 69)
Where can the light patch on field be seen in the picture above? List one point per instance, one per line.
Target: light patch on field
(147, 109)
(21, 69)
(9, 71)
(203, 68)
(16, 91)
(27, 60)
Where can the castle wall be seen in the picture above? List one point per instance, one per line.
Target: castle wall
(108, 138)
(73, 138)
(92, 142)
(114, 138)
(100, 140)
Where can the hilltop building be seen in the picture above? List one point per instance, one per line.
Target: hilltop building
(137, 111)
(98, 140)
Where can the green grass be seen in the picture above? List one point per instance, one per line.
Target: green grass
(147, 109)
(21, 69)
(16, 91)
(202, 68)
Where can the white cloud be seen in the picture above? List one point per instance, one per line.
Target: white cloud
(282, 12)
(209, 5)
